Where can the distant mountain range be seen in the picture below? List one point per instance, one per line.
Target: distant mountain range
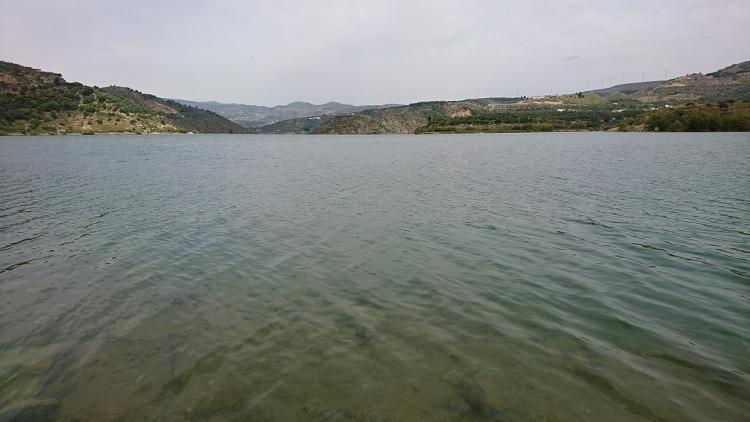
(254, 116)
(38, 102)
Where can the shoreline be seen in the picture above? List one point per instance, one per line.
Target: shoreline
(354, 134)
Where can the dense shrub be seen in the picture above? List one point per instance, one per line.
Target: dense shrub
(724, 117)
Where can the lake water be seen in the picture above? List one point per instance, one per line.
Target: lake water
(554, 277)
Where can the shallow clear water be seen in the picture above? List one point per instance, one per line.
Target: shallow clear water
(524, 277)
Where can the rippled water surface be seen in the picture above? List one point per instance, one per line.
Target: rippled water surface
(554, 277)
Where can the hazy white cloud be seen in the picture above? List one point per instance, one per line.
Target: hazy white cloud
(271, 52)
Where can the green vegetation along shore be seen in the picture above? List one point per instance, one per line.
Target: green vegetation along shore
(729, 116)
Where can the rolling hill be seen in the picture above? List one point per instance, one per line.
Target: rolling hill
(687, 100)
(730, 83)
(627, 88)
(38, 102)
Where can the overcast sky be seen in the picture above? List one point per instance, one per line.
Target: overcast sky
(365, 52)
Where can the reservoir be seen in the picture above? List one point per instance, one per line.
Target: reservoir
(513, 277)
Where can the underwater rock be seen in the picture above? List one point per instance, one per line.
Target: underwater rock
(345, 415)
(337, 415)
(473, 395)
(362, 335)
(175, 297)
(30, 410)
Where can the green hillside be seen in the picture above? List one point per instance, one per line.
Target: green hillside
(714, 101)
(37, 102)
